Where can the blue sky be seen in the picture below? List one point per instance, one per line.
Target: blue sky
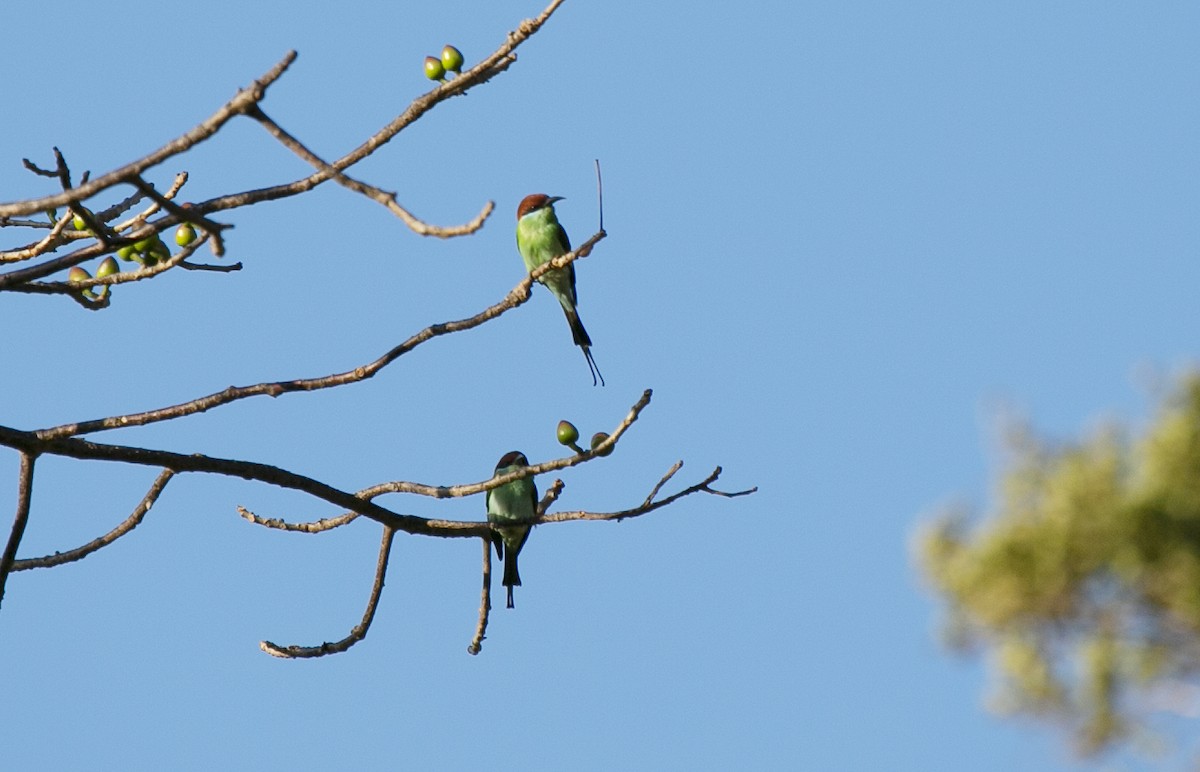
(842, 241)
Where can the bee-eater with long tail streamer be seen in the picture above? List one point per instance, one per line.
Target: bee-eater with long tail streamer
(541, 238)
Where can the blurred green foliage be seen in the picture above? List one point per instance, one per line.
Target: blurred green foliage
(1083, 586)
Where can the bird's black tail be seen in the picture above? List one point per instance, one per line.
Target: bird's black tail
(512, 577)
(577, 331)
(584, 341)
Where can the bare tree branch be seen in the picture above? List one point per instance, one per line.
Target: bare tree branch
(499, 61)
(39, 171)
(359, 631)
(451, 527)
(326, 524)
(549, 497)
(670, 473)
(23, 280)
(516, 297)
(245, 103)
(485, 600)
(386, 198)
(236, 106)
(196, 462)
(648, 505)
(467, 528)
(24, 494)
(470, 489)
(38, 248)
(124, 527)
(485, 605)
(100, 234)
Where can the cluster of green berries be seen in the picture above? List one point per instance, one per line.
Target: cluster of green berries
(568, 435)
(107, 268)
(451, 61)
(148, 252)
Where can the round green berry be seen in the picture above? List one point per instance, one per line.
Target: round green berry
(567, 433)
(77, 274)
(185, 234)
(452, 59)
(107, 268)
(434, 69)
(126, 252)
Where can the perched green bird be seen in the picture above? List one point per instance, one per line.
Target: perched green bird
(541, 238)
(512, 502)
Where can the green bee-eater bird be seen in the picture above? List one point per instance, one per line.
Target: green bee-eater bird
(541, 238)
(512, 502)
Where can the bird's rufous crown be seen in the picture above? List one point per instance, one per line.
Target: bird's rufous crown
(533, 202)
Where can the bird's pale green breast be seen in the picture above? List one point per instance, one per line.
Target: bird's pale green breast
(540, 238)
(514, 501)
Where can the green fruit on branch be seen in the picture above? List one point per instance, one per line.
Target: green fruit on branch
(598, 438)
(452, 59)
(434, 69)
(185, 234)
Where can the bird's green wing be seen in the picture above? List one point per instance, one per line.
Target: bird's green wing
(562, 237)
(496, 539)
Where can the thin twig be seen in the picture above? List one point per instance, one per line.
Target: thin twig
(140, 218)
(386, 198)
(646, 508)
(62, 170)
(31, 166)
(133, 199)
(41, 247)
(24, 495)
(599, 195)
(549, 497)
(359, 631)
(327, 524)
(670, 473)
(485, 599)
(127, 525)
